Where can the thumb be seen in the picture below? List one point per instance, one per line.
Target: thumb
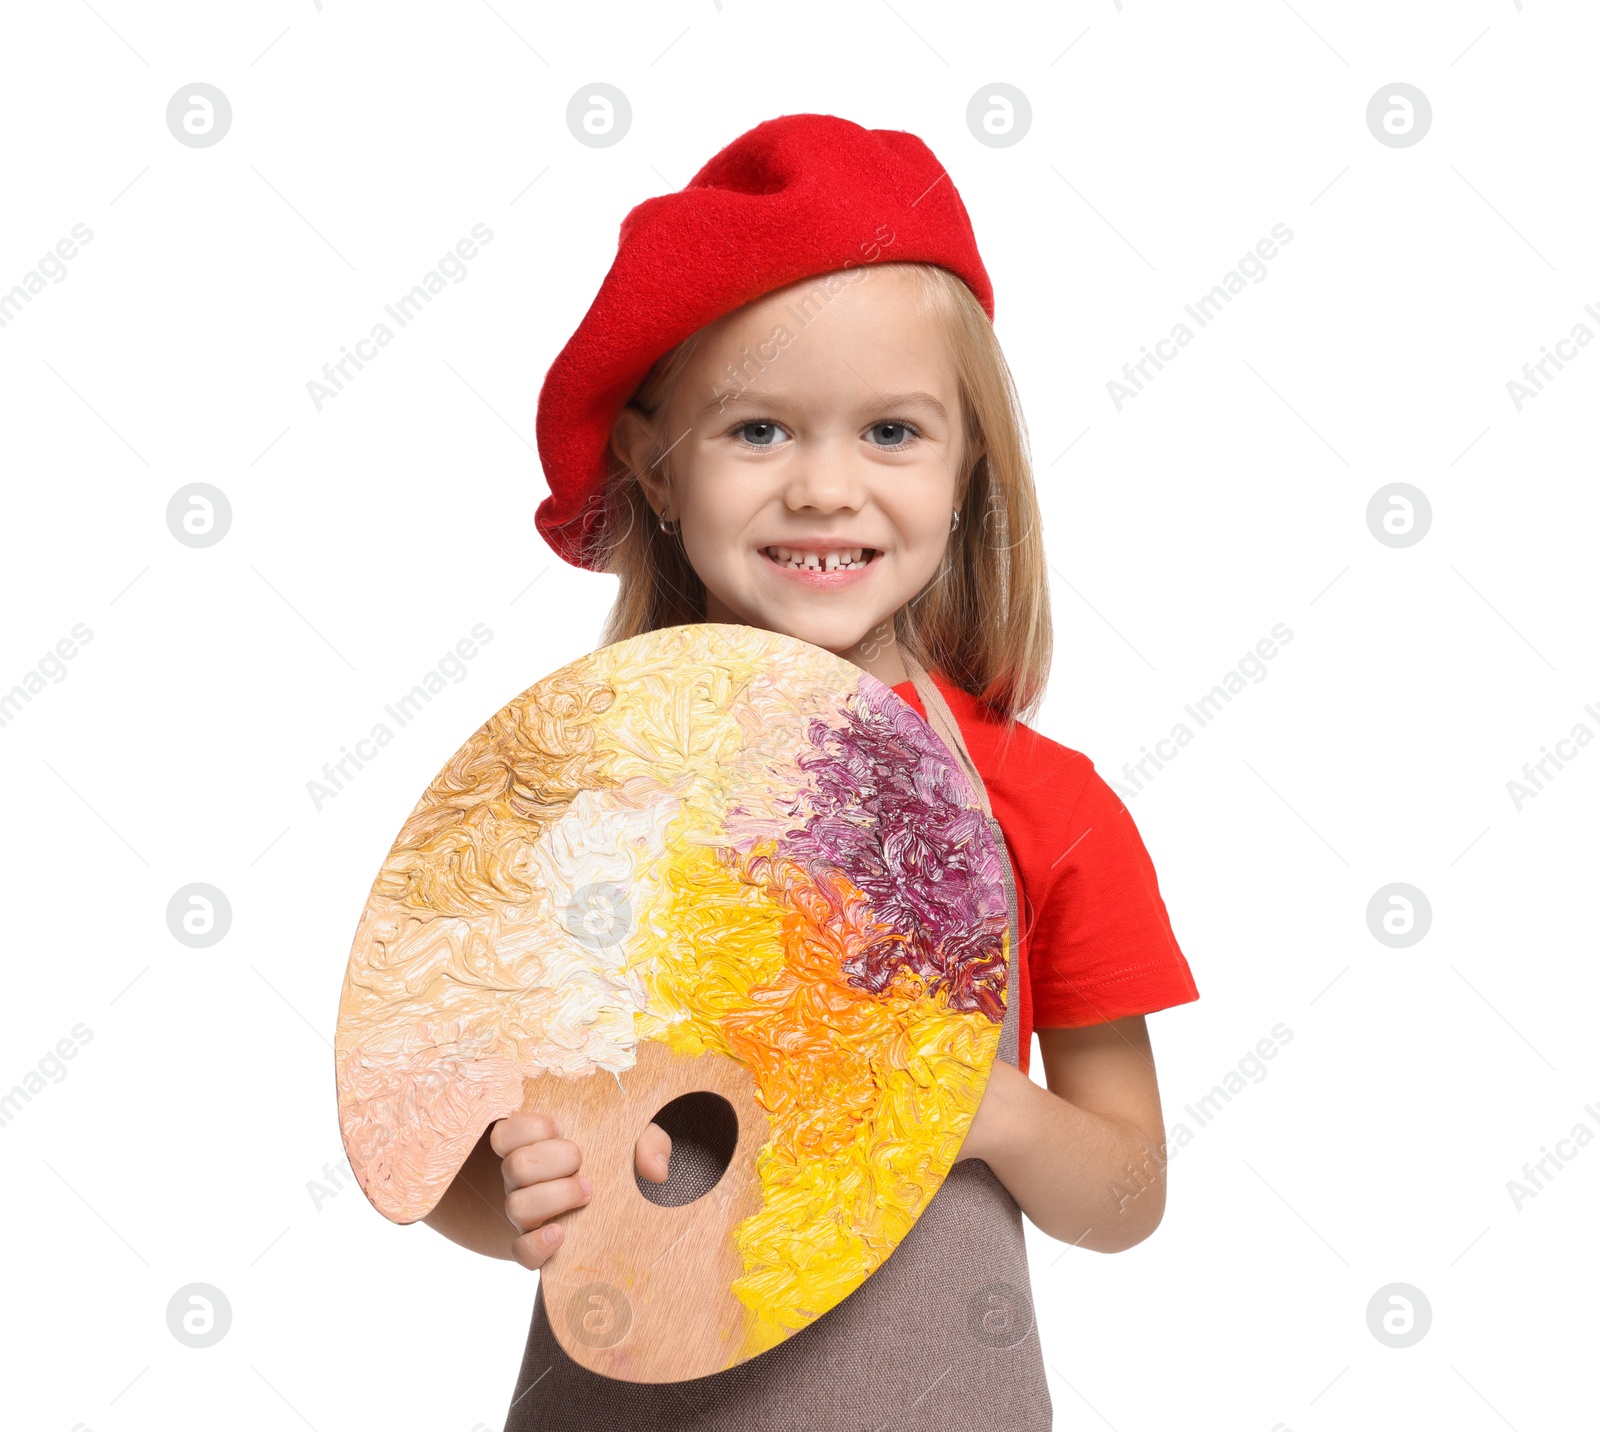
(652, 1153)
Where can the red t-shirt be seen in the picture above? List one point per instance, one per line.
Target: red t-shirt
(1096, 943)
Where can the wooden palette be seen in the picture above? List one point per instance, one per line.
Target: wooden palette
(708, 861)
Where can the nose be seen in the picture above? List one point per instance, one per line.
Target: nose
(825, 476)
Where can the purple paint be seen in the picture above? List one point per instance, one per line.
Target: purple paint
(890, 811)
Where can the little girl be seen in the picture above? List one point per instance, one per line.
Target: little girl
(787, 408)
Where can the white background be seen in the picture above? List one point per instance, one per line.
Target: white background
(1230, 495)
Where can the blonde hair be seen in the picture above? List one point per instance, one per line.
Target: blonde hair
(983, 620)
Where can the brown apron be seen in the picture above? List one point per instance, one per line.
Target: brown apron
(939, 1339)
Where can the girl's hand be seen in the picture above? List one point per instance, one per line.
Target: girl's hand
(993, 1125)
(540, 1171)
(1085, 1158)
(651, 1153)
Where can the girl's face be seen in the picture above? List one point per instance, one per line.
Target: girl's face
(816, 456)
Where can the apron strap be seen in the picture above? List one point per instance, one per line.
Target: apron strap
(943, 721)
(944, 724)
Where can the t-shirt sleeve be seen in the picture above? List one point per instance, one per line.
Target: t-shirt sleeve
(1102, 945)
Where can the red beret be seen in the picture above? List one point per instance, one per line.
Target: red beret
(799, 195)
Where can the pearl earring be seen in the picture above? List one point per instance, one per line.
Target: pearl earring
(955, 518)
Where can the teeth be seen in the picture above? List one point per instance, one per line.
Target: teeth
(840, 558)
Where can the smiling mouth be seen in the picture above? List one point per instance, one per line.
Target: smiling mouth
(837, 559)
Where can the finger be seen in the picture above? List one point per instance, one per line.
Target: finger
(533, 1249)
(517, 1129)
(540, 1162)
(527, 1208)
(653, 1153)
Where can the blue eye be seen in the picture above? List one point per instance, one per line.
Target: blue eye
(892, 435)
(759, 434)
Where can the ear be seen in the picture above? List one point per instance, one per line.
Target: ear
(634, 441)
(968, 467)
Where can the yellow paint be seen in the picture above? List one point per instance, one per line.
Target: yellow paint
(869, 1095)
